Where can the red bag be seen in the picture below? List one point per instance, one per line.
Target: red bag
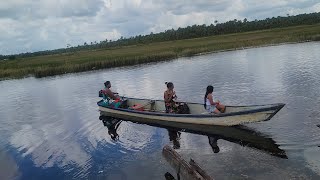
(138, 107)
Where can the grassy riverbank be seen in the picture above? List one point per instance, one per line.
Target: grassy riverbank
(41, 66)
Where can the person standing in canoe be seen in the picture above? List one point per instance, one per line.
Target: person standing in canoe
(210, 105)
(169, 97)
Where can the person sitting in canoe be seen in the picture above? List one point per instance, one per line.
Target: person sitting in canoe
(108, 95)
(107, 91)
(169, 97)
(210, 105)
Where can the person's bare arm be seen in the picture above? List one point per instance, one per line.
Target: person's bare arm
(110, 94)
(174, 96)
(211, 100)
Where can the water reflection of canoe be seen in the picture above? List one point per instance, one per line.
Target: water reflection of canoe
(236, 134)
(154, 112)
(241, 135)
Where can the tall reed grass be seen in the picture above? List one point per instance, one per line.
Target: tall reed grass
(49, 65)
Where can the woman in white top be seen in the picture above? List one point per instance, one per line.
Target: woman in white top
(210, 105)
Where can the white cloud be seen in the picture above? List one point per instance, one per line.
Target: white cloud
(29, 10)
(27, 25)
(114, 34)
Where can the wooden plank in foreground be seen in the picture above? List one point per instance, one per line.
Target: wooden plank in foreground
(195, 166)
(187, 171)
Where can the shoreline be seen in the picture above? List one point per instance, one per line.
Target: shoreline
(82, 61)
(198, 54)
(251, 47)
(171, 59)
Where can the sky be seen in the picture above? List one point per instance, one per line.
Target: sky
(34, 25)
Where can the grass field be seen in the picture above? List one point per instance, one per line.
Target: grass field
(41, 66)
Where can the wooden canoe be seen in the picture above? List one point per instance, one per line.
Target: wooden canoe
(154, 112)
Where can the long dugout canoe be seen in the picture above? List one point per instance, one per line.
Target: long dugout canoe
(154, 112)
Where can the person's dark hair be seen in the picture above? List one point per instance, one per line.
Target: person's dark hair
(106, 83)
(169, 84)
(209, 90)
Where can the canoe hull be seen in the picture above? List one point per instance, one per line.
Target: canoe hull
(225, 119)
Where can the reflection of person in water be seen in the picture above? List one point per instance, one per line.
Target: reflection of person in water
(213, 141)
(112, 125)
(113, 132)
(174, 136)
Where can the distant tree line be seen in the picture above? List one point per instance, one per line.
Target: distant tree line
(195, 31)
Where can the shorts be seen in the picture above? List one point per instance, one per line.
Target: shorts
(211, 109)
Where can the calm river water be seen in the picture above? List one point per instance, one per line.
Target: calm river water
(50, 127)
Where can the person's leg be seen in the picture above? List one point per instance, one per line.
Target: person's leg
(213, 109)
(216, 111)
(169, 109)
(221, 108)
